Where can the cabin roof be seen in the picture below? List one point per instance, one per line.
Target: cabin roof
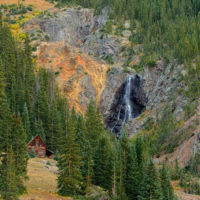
(34, 138)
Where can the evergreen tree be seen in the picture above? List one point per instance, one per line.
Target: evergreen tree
(26, 122)
(69, 163)
(167, 190)
(8, 177)
(92, 132)
(102, 165)
(133, 178)
(150, 188)
(20, 153)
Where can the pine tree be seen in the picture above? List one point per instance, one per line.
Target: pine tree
(5, 116)
(123, 155)
(133, 178)
(150, 188)
(55, 127)
(26, 122)
(167, 190)
(8, 187)
(8, 177)
(20, 152)
(39, 130)
(102, 165)
(92, 133)
(86, 151)
(69, 163)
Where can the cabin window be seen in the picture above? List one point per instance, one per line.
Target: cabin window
(37, 143)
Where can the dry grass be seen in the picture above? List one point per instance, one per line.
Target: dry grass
(42, 181)
(38, 4)
(181, 194)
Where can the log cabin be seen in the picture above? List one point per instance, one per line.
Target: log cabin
(40, 148)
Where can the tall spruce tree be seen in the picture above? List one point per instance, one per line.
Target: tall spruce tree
(167, 190)
(26, 122)
(102, 165)
(133, 176)
(69, 164)
(12, 150)
(150, 188)
(20, 152)
(8, 189)
(92, 132)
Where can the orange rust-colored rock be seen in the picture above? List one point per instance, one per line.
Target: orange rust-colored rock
(70, 67)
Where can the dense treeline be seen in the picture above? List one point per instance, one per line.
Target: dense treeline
(88, 156)
(31, 94)
(30, 105)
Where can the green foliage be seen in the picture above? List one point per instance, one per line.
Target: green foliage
(32, 153)
(150, 187)
(103, 164)
(190, 184)
(13, 152)
(162, 133)
(193, 165)
(167, 190)
(69, 163)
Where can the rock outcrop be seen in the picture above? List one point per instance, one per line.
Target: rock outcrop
(76, 51)
(79, 76)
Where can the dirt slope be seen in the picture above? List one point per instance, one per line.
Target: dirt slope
(42, 180)
(181, 194)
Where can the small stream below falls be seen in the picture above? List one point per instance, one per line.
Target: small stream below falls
(128, 103)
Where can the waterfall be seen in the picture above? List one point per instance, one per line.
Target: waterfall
(125, 109)
(129, 101)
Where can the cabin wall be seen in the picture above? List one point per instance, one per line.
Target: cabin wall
(39, 151)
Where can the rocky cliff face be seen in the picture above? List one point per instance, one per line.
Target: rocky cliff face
(75, 49)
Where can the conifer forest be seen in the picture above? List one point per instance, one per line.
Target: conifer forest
(111, 88)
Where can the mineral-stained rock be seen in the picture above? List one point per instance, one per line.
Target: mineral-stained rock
(79, 76)
(75, 53)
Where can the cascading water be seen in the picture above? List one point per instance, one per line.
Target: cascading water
(127, 104)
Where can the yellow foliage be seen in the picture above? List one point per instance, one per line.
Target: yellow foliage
(180, 123)
(15, 27)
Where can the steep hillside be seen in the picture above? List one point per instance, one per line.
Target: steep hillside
(88, 62)
(121, 77)
(79, 76)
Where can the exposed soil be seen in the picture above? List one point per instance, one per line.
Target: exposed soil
(42, 181)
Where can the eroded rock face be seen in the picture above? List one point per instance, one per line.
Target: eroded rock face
(129, 102)
(75, 53)
(152, 89)
(71, 25)
(80, 77)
